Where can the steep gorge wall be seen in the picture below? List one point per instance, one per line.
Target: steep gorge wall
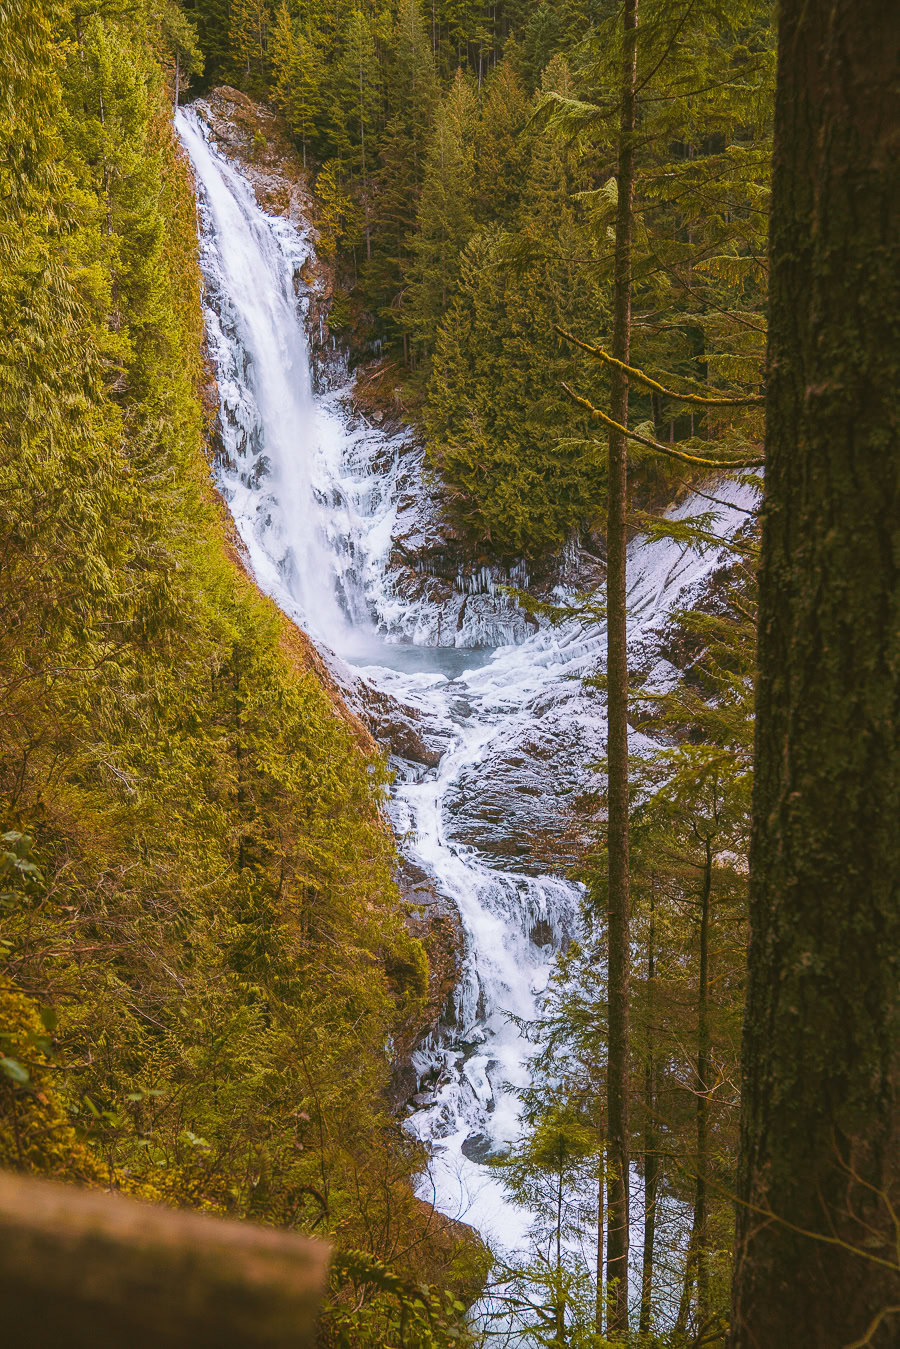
(203, 954)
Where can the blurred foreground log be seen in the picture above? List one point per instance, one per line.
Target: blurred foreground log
(88, 1270)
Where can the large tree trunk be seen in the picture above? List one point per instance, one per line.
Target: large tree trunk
(617, 749)
(703, 1048)
(820, 1152)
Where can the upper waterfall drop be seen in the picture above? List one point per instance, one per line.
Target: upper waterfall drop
(271, 422)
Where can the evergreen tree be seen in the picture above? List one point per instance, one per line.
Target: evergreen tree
(618, 893)
(445, 216)
(211, 19)
(356, 97)
(339, 218)
(249, 26)
(552, 1174)
(820, 1188)
(492, 437)
(413, 96)
(521, 479)
(357, 105)
(297, 77)
(457, 20)
(545, 30)
(501, 151)
(689, 822)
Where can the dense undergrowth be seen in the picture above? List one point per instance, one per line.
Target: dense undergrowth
(204, 959)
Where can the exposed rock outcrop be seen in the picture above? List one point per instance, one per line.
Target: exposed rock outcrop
(435, 921)
(253, 135)
(399, 727)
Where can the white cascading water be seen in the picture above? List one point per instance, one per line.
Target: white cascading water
(314, 492)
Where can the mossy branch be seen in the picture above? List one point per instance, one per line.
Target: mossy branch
(656, 444)
(641, 378)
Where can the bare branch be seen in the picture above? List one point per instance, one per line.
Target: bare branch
(873, 1326)
(638, 375)
(657, 445)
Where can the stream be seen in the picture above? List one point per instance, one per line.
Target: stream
(317, 495)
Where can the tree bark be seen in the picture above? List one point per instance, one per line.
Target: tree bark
(559, 1295)
(703, 1046)
(651, 1138)
(617, 674)
(820, 1151)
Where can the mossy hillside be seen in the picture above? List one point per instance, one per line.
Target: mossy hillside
(202, 976)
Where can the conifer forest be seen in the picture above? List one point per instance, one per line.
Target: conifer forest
(450, 658)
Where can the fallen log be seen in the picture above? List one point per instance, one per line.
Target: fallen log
(86, 1269)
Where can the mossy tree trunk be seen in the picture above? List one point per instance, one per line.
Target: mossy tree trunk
(618, 1077)
(820, 1131)
(600, 1298)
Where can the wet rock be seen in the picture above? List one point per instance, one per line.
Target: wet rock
(515, 807)
(434, 1077)
(418, 888)
(261, 469)
(542, 933)
(480, 1148)
(435, 921)
(398, 727)
(401, 737)
(402, 1084)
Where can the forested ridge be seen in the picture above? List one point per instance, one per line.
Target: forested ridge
(548, 240)
(468, 234)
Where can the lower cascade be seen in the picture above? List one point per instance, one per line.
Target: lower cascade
(316, 494)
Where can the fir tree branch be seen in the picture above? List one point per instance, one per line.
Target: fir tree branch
(729, 313)
(641, 378)
(667, 49)
(655, 444)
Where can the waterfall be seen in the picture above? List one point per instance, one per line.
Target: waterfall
(316, 495)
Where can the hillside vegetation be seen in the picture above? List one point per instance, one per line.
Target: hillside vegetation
(204, 959)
